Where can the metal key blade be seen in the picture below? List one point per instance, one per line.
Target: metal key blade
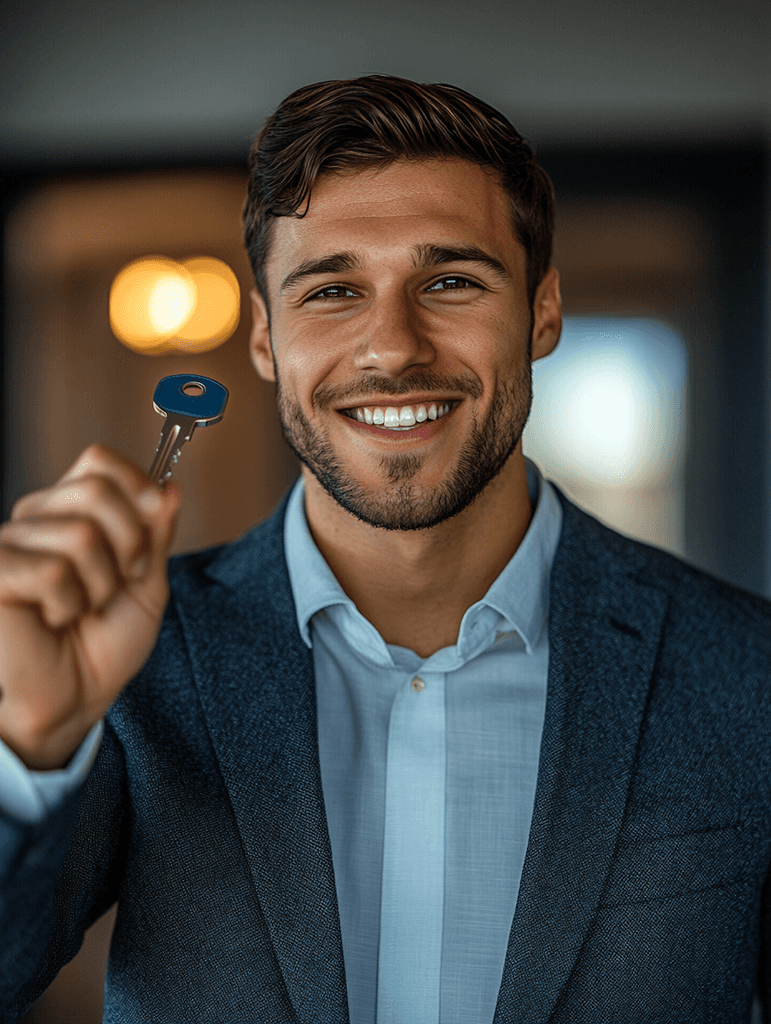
(168, 452)
(187, 402)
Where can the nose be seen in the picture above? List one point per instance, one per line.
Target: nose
(393, 340)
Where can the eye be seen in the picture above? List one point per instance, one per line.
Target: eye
(329, 292)
(453, 283)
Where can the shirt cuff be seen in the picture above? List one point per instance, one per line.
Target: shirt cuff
(30, 795)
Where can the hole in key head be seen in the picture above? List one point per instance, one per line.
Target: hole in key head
(193, 389)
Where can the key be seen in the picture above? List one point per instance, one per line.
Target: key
(187, 401)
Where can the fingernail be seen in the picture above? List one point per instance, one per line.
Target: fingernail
(139, 567)
(150, 500)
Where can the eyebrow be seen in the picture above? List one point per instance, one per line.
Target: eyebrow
(424, 257)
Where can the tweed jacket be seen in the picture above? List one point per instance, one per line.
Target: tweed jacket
(644, 897)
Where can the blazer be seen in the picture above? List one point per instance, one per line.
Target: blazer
(644, 896)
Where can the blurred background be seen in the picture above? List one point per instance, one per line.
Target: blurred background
(123, 135)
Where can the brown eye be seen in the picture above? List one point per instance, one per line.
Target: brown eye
(453, 283)
(327, 293)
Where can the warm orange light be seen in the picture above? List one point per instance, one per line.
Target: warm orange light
(218, 308)
(150, 299)
(158, 305)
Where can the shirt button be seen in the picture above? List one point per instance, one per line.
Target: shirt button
(418, 684)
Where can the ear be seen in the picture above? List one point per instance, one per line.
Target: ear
(547, 314)
(260, 348)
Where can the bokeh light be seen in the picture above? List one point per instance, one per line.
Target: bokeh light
(217, 311)
(608, 404)
(159, 305)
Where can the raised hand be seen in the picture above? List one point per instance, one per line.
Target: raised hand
(83, 589)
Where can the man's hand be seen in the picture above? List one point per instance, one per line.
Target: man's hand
(83, 589)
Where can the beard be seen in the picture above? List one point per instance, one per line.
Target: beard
(402, 503)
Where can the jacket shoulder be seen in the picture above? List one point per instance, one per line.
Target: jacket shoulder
(256, 556)
(693, 593)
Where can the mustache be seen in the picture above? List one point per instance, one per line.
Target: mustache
(334, 394)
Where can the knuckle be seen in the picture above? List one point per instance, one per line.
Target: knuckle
(96, 459)
(90, 491)
(97, 454)
(85, 534)
(21, 506)
(57, 571)
(64, 611)
(94, 486)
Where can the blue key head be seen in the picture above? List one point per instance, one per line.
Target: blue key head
(190, 394)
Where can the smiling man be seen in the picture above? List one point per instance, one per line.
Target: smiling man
(429, 746)
(400, 335)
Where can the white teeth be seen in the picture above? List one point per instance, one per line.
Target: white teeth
(391, 418)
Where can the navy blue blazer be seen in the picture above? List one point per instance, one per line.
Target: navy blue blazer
(644, 894)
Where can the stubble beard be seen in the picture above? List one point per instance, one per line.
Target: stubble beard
(402, 504)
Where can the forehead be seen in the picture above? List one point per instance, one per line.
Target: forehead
(382, 211)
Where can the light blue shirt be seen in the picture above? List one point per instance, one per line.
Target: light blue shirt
(429, 769)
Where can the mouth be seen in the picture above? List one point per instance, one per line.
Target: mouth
(400, 418)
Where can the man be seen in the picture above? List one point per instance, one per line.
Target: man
(430, 744)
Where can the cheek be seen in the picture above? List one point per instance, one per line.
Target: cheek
(509, 339)
(316, 357)
(495, 347)
(303, 373)
(298, 358)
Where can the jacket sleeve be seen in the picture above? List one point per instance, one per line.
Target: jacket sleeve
(57, 877)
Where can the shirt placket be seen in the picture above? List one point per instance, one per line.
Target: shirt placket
(412, 894)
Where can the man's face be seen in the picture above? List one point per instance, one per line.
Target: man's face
(400, 335)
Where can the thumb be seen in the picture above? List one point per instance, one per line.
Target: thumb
(172, 495)
(160, 509)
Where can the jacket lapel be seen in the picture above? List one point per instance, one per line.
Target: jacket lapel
(604, 629)
(256, 680)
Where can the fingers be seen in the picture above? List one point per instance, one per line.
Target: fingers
(83, 512)
(78, 541)
(83, 587)
(42, 579)
(104, 525)
(102, 486)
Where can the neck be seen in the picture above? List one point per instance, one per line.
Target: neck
(414, 586)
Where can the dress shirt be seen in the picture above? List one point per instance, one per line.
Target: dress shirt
(428, 770)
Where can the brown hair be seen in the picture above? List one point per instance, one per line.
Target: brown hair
(372, 121)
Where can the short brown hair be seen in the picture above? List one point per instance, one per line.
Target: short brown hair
(356, 123)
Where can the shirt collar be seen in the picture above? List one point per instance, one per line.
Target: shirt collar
(516, 602)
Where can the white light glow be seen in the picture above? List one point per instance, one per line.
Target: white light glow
(172, 300)
(608, 404)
